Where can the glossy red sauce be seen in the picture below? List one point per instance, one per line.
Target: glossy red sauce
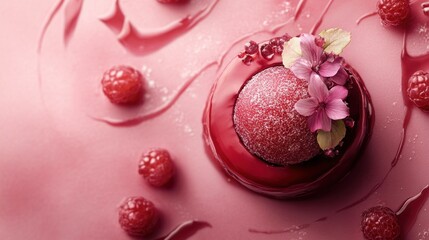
(279, 181)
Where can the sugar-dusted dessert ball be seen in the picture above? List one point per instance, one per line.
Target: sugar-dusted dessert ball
(266, 121)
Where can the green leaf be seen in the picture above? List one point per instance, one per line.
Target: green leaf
(336, 40)
(291, 52)
(332, 138)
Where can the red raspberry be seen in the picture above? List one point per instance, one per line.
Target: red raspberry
(122, 85)
(393, 12)
(418, 89)
(138, 216)
(156, 167)
(380, 223)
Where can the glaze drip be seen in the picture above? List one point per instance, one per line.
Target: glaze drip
(287, 230)
(48, 22)
(115, 20)
(185, 230)
(143, 43)
(72, 12)
(410, 209)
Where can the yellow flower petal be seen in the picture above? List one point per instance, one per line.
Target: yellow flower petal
(336, 40)
(332, 138)
(291, 52)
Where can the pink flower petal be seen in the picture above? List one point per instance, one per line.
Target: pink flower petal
(302, 69)
(313, 124)
(310, 50)
(319, 120)
(306, 107)
(336, 109)
(341, 77)
(324, 119)
(337, 92)
(329, 69)
(314, 75)
(317, 88)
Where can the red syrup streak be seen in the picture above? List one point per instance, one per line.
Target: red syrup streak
(287, 230)
(365, 16)
(410, 209)
(320, 20)
(115, 22)
(299, 8)
(143, 43)
(185, 230)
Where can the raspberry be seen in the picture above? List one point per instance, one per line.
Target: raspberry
(251, 47)
(393, 12)
(122, 85)
(380, 223)
(418, 89)
(248, 60)
(156, 167)
(138, 216)
(267, 51)
(319, 41)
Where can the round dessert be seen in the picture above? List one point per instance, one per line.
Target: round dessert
(253, 129)
(265, 121)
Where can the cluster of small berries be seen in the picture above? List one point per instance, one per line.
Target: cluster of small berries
(266, 50)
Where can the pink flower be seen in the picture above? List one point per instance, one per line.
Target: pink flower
(316, 63)
(323, 105)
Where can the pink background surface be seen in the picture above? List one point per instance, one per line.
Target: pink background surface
(62, 174)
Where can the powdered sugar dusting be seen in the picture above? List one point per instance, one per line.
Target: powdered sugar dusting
(265, 119)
